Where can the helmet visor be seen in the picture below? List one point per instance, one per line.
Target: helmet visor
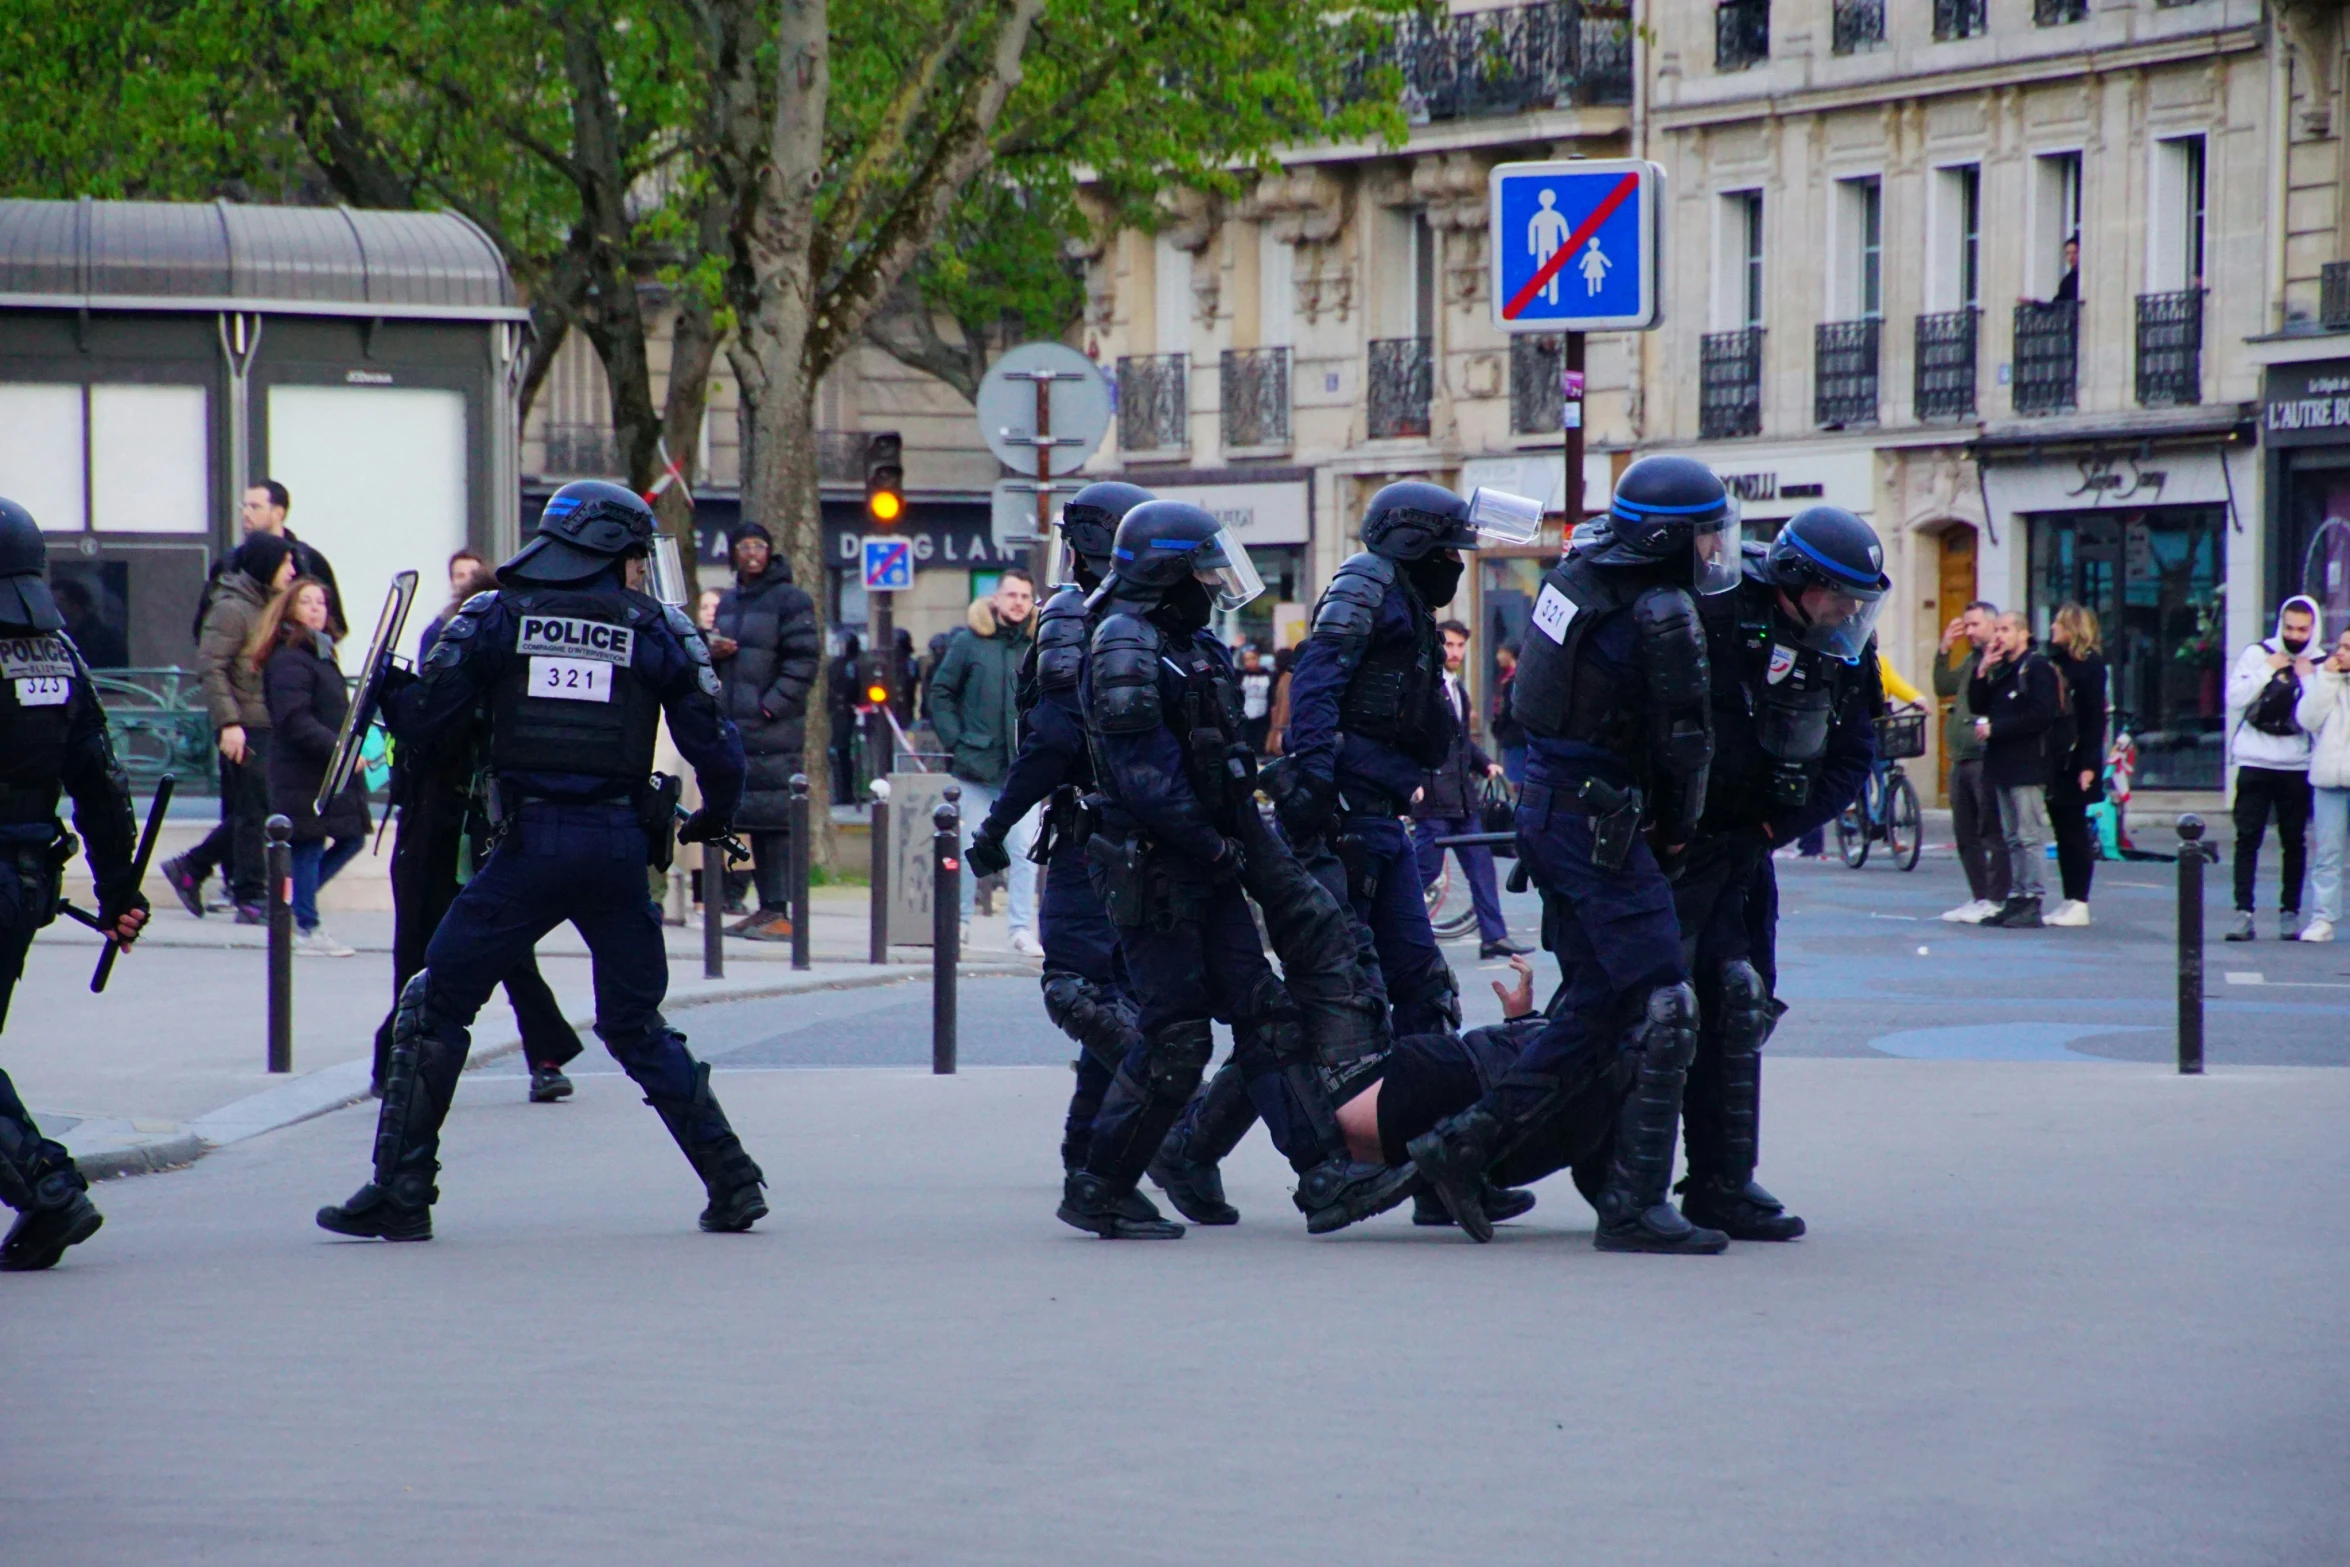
(1834, 620)
(1501, 520)
(1715, 547)
(668, 572)
(1222, 564)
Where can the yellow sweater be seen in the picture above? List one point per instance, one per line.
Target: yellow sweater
(1896, 688)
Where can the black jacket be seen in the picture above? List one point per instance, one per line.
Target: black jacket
(2083, 729)
(2020, 699)
(307, 701)
(764, 687)
(308, 562)
(1450, 790)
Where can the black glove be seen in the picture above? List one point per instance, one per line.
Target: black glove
(1306, 806)
(117, 898)
(986, 854)
(702, 827)
(1229, 864)
(394, 679)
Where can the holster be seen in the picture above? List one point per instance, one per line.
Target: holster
(1362, 882)
(48, 861)
(1063, 820)
(656, 811)
(1615, 821)
(1125, 893)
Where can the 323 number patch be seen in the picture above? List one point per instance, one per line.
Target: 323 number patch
(571, 679)
(43, 691)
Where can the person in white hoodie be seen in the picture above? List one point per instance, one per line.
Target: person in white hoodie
(2324, 713)
(2270, 751)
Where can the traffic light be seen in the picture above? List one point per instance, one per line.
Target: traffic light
(885, 478)
(872, 683)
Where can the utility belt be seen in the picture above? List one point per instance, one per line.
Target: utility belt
(44, 865)
(1357, 799)
(653, 801)
(1614, 812)
(1067, 817)
(1140, 890)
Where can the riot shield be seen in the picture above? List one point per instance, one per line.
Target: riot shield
(353, 736)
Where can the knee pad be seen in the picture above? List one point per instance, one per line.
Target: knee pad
(1745, 1009)
(1178, 1058)
(1669, 1032)
(413, 1017)
(1102, 1025)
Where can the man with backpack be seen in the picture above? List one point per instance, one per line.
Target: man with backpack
(2270, 752)
(2017, 701)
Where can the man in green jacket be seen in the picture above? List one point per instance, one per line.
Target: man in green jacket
(1974, 804)
(975, 711)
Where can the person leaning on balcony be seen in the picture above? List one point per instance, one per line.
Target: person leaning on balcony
(2068, 287)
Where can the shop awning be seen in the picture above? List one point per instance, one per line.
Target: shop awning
(2204, 425)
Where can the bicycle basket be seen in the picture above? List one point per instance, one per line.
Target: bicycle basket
(1901, 736)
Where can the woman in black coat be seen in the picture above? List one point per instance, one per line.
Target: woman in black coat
(767, 650)
(304, 690)
(2076, 756)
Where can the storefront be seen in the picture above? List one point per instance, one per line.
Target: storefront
(2305, 425)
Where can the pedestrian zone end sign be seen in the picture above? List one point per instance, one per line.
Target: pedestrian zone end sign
(889, 564)
(1575, 245)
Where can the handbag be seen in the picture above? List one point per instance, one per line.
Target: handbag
(1497, 811)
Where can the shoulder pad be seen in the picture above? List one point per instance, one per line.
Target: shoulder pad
(1067, 602)
(1126, 676)
(686, 632)
(1061, 636)
(461, 630)
(1350, 605)
(1672, 645)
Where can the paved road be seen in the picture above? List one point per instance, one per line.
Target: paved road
(2051, 1312)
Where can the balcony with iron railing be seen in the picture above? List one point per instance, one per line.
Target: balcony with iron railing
(1255, 388)
(580, 451)
(2170, 349)
(1857, 25)
(1955, 19)
(1537, 403)
(2333, 296)
(1508, 60)
(1402, 384)
(1844, 372)
(2047, 357)
(1729, 383)
(1154, 408)
(1945, 372)
(1742, 34)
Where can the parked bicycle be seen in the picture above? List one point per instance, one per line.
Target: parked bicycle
(1887, 810)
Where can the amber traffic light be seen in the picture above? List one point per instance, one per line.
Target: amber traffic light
(885, 477)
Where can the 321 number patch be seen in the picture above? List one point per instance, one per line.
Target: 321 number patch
(571, 679)
(43, 691)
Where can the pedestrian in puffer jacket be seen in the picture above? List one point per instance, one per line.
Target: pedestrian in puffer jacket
(2270, 752)
(767, 649)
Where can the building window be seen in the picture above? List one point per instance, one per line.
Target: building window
(1536, 401)
(1858, 24)
(1868, 216)
(1738, 274)
(1742, 34)
(1255, 390)
(1959, 19)
(1970, 235)
(2056, 13)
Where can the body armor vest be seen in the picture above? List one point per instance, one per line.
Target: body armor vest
(571, 700)
(1793, 693)
(1561, 693)
(41, 678)
(1393, 696)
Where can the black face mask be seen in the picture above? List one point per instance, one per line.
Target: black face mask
(1186, 606)
(2294, 645)
(1437, 577)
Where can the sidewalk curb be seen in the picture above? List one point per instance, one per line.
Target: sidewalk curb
(331, 1088)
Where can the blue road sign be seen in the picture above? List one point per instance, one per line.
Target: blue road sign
(889, 564)
(1575, 245)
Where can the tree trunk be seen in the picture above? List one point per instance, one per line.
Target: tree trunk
(693, 347)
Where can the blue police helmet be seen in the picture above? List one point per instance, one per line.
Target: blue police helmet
(1160, 543)
(1667, 508)
(24, 562)
(1413, 518)
(1831, 567)
(1089, 523)
(587, 525)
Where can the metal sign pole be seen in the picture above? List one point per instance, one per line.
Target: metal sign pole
(1571, 413)
(1038, 551)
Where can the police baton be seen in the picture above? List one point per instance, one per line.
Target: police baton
(1519, 878)
(146, 852)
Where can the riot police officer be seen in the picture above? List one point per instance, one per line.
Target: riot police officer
(52, 742)
(1162, 714)
(1085, 989)
(576, 668)
(1795, 697)
(1612, 687)
(1368, 719)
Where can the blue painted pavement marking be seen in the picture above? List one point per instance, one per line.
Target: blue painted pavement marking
(1999, 1041)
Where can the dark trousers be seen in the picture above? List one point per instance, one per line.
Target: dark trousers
(236, 847)
(1476, 865)
(1394, 905)
(2260, 791)
(585, 864)
(1616, 939)
(425, 851)
(1974, 822)
(2076, 850)
(771, 867)
(1079, 939)
(218, 850)
(1710, 902)
(24, 906)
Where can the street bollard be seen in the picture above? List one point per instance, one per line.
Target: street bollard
(713, 912)
(2192, 851)
(946, 927)
(279, 866)
(878, 937)
(799, 872)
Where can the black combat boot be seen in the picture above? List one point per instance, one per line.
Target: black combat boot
(1451, 1158)
(1089, 1203)
(1500, 1203)
(1186, 1166)
(401, 1211)
(1633, 1213)
(420, 1069)
(1136, 1115)
(700, 1130)
(1742, 1212)
(1723, 1122)
(55, 1214)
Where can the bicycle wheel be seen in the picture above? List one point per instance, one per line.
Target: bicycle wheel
(1905, 828)
(1852, 837)
(1450, 923)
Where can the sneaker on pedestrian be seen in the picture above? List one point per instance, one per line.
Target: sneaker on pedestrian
(2319, 929)
(252, 914)
(548, 1084)
(2017, 913)
(2244, 930)
(1504, 948)
(1973, 913)
(2287, 919)
(1025, 943)
(964, 938)
(316, 942)
(186, 883)
(765, 925)
(2072, 913)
